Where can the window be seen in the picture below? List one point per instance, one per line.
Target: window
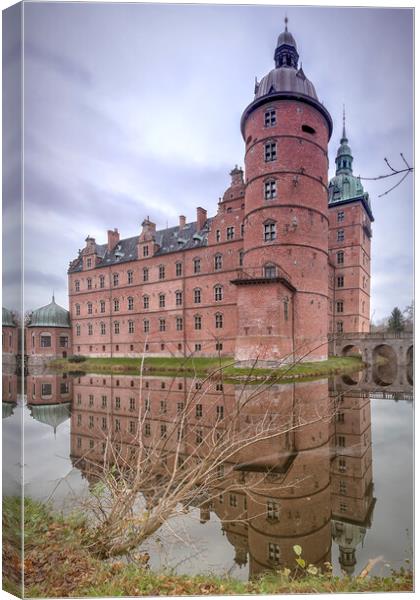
(90, 329)
(197, 322)
(233, 500)
(242, 229)
(273, 552)
(219, 320)
(178, 298)
(161, 271)
(77, 309)
(341, 441)
(218, 262)
(101, 281)
(161, 300)
(163, 407)
(117, 402)
(342, 465)
(179, 407)
(89, 308)
(340, 306)
(197, 347)
(270, 151)
(343, 507)
(115, 279)
(162, 325)
(77, 286)
(269, 231)
(340, 281)
(198, 410)
(339, 417)
(130, 303)
(45, 341)
(116, 327)
(130, 326)
(230, 233)
(89, 284)
(218, 293)
(272, 510)
(91, 399)
(286, 309)
(308, 129)
(178, 269)
(340, 235)
(145, 251)
(104, 424)
(145, 274)
(270, 189)
(270, 118)
(218, 235)
(241, 258)
(219, 346)
(163, 431)
(116, 305)
(102, 306)
(79, 419)
(340, 216)
(179, 323)
(147, 429)
(91, 422)
(147, 404)
(340, 327)
(104, 401)
(340, 258)
(117, 425)
(77, 330)
(197, 296)
(103, 329)
(46, 389)
(146, 326)
(220, 410)
(145, 301)
(197, 265)
(79, 442)
(129, 276)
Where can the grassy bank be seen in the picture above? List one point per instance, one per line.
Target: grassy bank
(57, 564)
(198, 366)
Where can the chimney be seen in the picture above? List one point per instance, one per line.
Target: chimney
(113, 238)
(201, 218)
(90, 245)
(182, 221)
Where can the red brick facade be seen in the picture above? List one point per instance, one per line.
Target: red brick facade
(260, 279)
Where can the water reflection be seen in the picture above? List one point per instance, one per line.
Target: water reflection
(311, 484)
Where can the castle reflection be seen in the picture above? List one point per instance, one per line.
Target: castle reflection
(311, 485)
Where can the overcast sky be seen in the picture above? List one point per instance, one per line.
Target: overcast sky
(134, 110)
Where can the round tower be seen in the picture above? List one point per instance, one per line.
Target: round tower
(283, 288)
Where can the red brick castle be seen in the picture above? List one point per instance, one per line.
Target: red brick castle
(284, 262)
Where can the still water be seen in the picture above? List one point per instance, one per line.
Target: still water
(338, 481)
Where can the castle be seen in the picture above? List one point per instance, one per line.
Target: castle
(284, 262)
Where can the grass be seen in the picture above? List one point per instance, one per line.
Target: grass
(57, 564)
(201, 366)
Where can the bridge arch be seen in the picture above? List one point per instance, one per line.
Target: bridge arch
(385, 365)
(351, 350)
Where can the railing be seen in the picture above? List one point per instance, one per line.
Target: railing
(260, 274)
(373, 335)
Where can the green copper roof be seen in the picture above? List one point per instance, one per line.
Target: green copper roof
(345, 187)
(51, 315)
(51, 414)
(8, 319)
(7, 409)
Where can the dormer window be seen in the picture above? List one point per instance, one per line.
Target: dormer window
(270, 118)
(145, 251)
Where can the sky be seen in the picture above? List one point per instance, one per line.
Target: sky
(133, 110)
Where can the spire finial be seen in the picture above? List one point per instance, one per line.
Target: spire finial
(286, 20)
(344, 121)
(53, 298)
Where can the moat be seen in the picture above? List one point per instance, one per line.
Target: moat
(338, 483)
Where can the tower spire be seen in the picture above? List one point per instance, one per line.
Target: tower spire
(344, 136)
(286, 20)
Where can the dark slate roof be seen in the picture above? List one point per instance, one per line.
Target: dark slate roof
(169, 240)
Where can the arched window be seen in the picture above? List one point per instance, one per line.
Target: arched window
(218, 293)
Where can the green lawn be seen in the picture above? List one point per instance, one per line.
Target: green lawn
(205, 366)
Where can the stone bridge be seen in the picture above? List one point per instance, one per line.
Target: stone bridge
(389, 355)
